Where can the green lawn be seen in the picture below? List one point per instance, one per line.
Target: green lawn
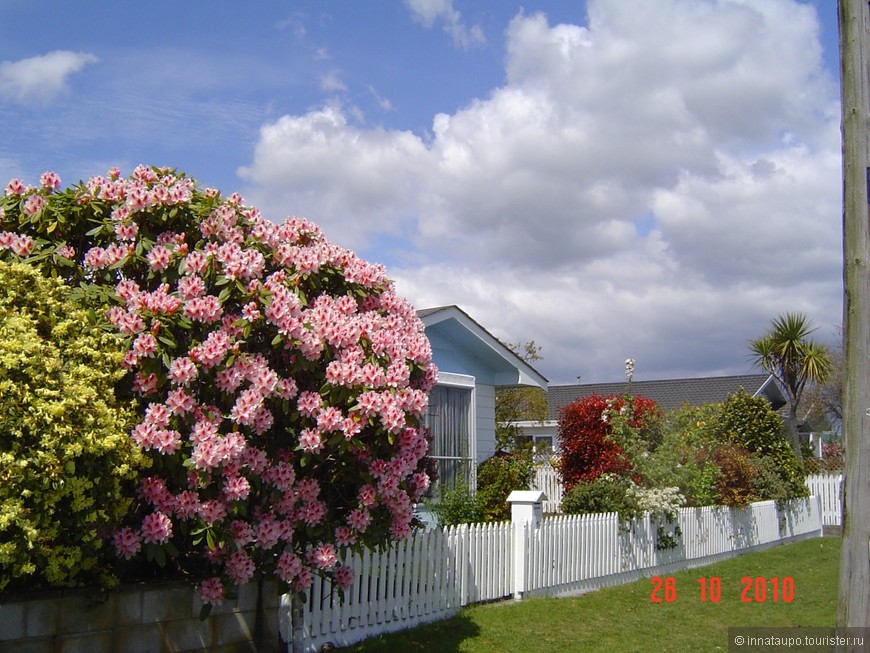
(624, 618)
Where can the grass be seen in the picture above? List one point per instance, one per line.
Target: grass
(624, 618)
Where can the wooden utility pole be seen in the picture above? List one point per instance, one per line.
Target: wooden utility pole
(854, 600)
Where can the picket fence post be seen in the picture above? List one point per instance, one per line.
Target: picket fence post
(527, 512)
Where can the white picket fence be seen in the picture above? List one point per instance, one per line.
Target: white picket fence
(828, 488)
(571, 554)
(431, 575)
(549, 481)
(825, 486)
(425, 578)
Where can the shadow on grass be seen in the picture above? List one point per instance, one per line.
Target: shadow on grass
(439, 637)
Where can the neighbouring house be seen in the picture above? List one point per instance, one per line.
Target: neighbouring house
(472, 363)
(668, 393)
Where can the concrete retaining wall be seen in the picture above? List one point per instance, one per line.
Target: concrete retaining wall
(141, 619)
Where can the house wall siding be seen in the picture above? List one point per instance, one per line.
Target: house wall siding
(485, 421)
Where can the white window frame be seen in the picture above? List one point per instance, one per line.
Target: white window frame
(464, 382)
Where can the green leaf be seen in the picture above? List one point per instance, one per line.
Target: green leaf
(34, 258)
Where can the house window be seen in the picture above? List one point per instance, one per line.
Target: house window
(450, 421)
(540, 444)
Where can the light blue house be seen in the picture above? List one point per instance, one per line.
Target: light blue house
(472, 363)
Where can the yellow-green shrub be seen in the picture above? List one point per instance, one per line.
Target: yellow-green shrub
(497, 477)
(67, 463)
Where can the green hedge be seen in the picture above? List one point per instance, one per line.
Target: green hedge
(67, 463)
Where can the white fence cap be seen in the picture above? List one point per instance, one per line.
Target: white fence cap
(527, 496)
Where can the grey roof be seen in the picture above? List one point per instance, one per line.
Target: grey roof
(671, 393)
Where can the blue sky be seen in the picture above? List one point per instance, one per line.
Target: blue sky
(652, 179)
(192, 82)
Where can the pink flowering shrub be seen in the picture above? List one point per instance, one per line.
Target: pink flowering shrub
(281, 380)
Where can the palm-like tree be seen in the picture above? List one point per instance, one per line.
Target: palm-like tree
(787, 352)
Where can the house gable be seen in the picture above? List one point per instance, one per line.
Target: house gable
(460, 345)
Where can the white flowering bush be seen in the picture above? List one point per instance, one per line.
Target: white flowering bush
(662, 505)
(280, 380)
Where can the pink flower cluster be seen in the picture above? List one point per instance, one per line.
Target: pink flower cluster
(21, 245)
(211, 591)
(280, 376)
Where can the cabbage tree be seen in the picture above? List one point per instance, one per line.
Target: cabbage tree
(795, 360)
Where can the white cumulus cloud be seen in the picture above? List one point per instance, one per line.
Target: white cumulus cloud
(40, 79)
(430, 12)
(657, 183)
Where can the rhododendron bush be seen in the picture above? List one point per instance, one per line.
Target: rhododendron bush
(282, 382)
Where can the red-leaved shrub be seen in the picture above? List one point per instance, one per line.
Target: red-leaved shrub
(585, 430)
